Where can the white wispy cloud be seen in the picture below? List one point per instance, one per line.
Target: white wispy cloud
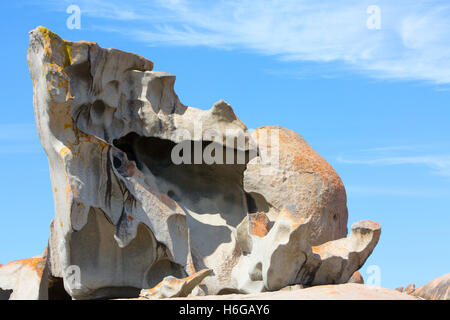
(397, 191)
(412, 44)
(400, 155)
(396, 148)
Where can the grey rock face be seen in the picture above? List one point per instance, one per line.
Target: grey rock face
(147, 188)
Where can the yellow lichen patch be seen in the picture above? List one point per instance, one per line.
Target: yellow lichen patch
(68, 46)
(64, 151)
(68, 192)
(53, 41)
(58, 56)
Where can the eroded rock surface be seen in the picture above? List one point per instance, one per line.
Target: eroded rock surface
(284, 255)
(126, 215)
(147, 188)
(299, 179)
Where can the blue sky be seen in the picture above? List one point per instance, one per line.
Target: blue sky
(374, 103)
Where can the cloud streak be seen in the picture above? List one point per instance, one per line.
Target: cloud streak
(412, 44)
(397, 191)
(440, 164)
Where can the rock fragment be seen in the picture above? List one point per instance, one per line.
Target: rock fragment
(172, 287)
(285, 257)
(410, 288)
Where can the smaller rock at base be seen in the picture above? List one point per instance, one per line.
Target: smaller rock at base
(172, 287)
(356, 278)
(399, 289)
(293, 287)
(410, 288)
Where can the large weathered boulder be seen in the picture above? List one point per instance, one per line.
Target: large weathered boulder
(436, 289)
(298, 178)
(146, 187)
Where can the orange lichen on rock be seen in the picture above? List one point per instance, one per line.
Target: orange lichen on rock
(367, 224)
(36, 263)
(320, 250)
(288, 172)
(259, 224)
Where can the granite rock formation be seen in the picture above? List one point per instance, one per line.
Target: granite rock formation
(148, 191)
